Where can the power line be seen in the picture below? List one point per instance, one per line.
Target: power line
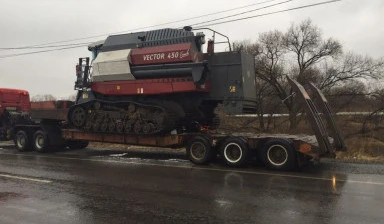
(140, 28)
(270, 13)
(244, 18)
(37, 47)
(242, 13)
(35, 52)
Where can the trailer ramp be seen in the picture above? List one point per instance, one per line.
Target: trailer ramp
(316, 121)
(329, 116)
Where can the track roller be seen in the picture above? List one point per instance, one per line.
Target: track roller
(78, 117)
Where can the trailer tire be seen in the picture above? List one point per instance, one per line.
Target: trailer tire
(234, 151)
(40, 141)
(22, 141)
(279, 154)
(199, 150)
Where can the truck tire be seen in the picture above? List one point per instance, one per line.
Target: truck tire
(40, 141)
(279, 154)
(78, 144)
(22, 141)
(199, 150)
(234, 151)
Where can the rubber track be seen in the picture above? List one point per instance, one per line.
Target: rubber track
(171, 117)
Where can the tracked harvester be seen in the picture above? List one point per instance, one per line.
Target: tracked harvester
(157, 81)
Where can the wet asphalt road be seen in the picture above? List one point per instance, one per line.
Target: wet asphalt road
(104, 186)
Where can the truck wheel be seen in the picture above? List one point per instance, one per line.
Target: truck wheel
(234, 151)
(199, 150)
(40, 141)
(22, 141)
(279, 154)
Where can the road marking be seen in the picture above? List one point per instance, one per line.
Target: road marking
(25, 178)
(208, 169)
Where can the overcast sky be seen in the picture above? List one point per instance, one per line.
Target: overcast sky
(357, 24)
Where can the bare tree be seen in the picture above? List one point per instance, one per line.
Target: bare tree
(305, 41)
(302, 53)
(44, 97)
(264, 68)
(306, 44)
(71, 97)
(350, 67)
(348, 95)
(246, 46)
(377, 102)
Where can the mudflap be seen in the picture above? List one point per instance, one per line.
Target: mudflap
(314, 117)
(53, 130)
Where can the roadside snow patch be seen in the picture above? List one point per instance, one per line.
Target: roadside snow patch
(175, 160)
(118, 155)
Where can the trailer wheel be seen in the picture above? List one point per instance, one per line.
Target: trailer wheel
(40, 141)
(279, 154)
(22, 141)
(199, 150)
(234, 151)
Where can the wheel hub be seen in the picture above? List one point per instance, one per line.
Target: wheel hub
(20, 141)
(198, 150)
(277, 155)
(39, 142)
(233, 152)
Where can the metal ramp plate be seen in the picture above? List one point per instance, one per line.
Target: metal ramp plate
(332, 125)
(313, 116)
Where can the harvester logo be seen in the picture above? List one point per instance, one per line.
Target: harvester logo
(152, 57)
(232, 89)
(166, 55)
(184, 54)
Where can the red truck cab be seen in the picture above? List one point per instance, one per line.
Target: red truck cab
(14, 100)
(14, 104)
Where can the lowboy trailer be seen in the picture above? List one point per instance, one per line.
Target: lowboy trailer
(276, 151)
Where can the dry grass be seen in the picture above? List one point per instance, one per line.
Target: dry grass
(363, 148)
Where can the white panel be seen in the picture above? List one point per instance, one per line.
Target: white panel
(112, 65)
